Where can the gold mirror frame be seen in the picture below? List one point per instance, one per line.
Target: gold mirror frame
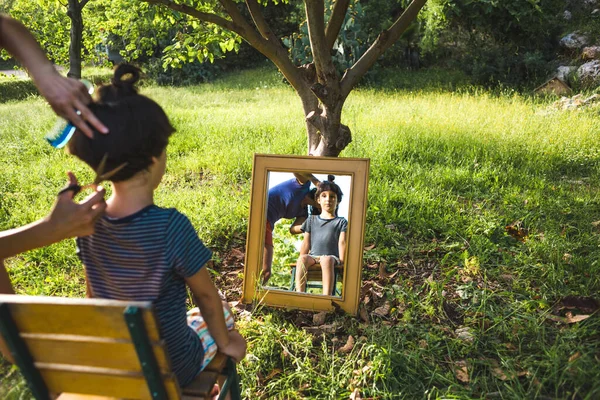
(358, 169)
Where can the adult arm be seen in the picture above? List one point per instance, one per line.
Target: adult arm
(302, 177)
(65, 95)
(296, 227)
(342, 246)
(67, 219)
(230, 343)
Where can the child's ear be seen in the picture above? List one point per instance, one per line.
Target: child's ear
(154, 160)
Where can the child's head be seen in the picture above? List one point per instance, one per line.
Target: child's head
(330, 188)
(139, 129)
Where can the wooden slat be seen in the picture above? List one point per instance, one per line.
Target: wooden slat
(84, 351)
(74, 396)
(202, 385)
(217, 364)
(46, 315)
(103, 383)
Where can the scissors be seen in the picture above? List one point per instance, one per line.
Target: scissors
(100, 177)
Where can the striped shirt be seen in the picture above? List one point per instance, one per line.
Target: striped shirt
(146, 256)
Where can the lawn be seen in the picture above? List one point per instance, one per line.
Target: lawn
(482, 262)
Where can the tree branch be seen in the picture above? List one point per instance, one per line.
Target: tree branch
(259, 20)
(381, 44)
(82, 4)
(315, 17)
(336, 21)
(202, 16)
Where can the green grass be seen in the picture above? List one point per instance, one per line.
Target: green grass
(451, 167)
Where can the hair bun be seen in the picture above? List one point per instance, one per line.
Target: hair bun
(125, 77)
(330, 178)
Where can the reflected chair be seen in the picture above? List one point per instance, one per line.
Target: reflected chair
(314, 279)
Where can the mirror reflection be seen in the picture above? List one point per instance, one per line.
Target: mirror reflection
(306, 225)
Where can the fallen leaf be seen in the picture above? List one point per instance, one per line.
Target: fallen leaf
(363, 314)
(383, 310)
(517, 231)
(382, 272)
(347, 348)
(272, 374)
(370, 247)
(574, 357)
(498, 373)
(465, 334)
(571, 319)
(586, 304)
(461, 372)
(423, 344)
(355, 395)
(319, 318)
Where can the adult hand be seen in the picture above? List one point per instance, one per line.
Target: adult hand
(71, 219)
(236, 348)
(69, 98)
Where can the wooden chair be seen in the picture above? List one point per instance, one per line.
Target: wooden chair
(82, 347)
(314, 278)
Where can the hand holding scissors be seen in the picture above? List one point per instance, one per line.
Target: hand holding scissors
(101, 176)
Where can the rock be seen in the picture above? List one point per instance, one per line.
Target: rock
(567, 15)
(564, 71)
(574, 41)
(591, 53)
(589, 73)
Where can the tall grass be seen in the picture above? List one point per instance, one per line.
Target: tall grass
(450, 169)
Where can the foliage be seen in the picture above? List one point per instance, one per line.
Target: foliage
(50, 25)
(285, 253)
(508, 42)
(450, 169)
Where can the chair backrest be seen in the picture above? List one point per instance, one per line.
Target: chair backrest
(87, 346)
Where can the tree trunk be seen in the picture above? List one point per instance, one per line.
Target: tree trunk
(74, 13)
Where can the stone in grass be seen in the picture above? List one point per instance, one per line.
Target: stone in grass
(564, 71)
(591, 53)
(589, 73)
(574, 41)
(464, 333)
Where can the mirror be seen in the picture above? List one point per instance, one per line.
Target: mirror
(286, 266)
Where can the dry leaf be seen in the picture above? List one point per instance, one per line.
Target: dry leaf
(319, 318)
(465, 334)
(571, 319)
(574, 357)
(461, 372)
(355, 395)
(370, 247)
(382, 272)
(498, 373)
(347, 348)
(272, 374)
(383, 310)
(363, 314)
(423, 343)
(517, 231)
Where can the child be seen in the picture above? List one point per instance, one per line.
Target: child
(140, 251)
(324, 237)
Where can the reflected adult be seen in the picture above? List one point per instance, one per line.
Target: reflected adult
(289, 199)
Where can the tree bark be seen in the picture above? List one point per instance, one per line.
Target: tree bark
(76, 33)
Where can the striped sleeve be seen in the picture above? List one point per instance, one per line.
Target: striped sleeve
(185, 250)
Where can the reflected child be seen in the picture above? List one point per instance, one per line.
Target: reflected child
(324, 238)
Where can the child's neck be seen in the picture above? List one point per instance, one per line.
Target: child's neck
(129, 197)
(326, 215)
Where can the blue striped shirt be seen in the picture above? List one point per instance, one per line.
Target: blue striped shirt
(146, 256)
